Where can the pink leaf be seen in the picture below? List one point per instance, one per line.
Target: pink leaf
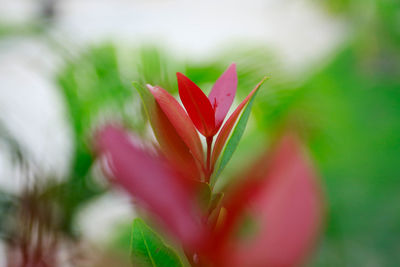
(222, 94)
(152, 182)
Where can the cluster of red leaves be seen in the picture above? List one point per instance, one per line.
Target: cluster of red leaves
(175, 128)
(279, 195)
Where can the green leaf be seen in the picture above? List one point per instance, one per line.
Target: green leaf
(203, 195)
(216, 200)
(147, 99)
(234, 139)
(148, 249)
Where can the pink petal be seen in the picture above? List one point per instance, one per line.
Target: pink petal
(223, 93)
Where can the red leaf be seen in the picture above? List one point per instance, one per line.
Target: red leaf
(197, 105)
(228, 126)
(179, 119)
(174, 148)
(283, 198)
(170, 142)
(222, 94)
(152, 182)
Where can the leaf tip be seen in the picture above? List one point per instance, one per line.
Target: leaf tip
(150, 87)
(264, 79)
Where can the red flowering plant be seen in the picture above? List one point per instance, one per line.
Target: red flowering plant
(270, 218)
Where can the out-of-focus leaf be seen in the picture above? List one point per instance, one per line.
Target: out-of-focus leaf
(91, 85)
(152, 182)
(216, 200)
(282, 198)
(197, 105)
(156, 66)
(222, 94)
(214, 209)
(179, 119)
(236, 134)
(170, 142)
(149, 250)
(8, 209)
(204, 195)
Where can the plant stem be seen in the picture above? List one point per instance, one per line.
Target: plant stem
(208, 168)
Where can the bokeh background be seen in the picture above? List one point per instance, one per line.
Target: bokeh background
(67, 65)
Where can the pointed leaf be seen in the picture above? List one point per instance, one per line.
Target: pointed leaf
(152, 182)
(222, 94)
(236, 134)
(148, 249)
(281, 200)
(214, 209)
(197, 105)
(179, 119)
(169, 140)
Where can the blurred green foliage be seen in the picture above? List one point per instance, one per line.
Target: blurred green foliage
(350, 114)
(355, 105)
(93, 88)
(8, 30)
